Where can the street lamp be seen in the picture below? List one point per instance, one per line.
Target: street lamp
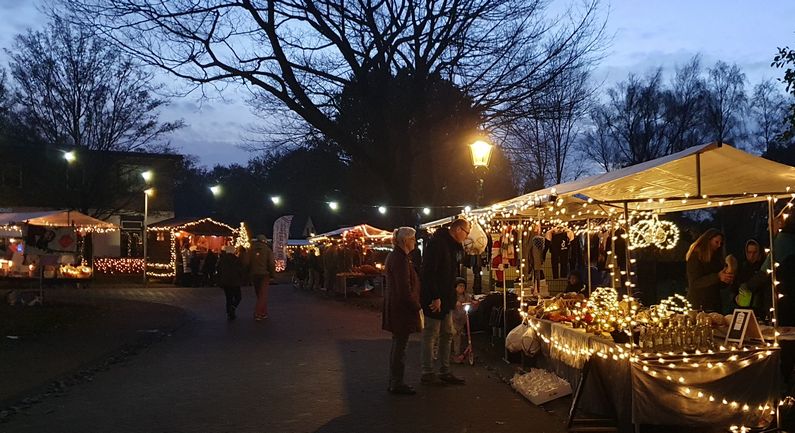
(333, 205)
(147, 192)
(70, 156)
(382, 210)
(276, 200)
(216, 190)
(147, 175)
(481, 154)
(426, 211)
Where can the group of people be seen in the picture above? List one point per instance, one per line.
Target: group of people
(720, 283)
(198, 268)
(238, 267)
(424, 302)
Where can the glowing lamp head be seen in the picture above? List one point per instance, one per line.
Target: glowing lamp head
(70, 156)
(426, 211)
(382, 210)
(215, 189)
(333, 205)
(467, 307)
(276, 200)
(468, 209)
(481, 153)
(147, 175)
(149, 192)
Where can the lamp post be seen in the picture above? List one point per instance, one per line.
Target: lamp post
(147, 176)
(481, 154)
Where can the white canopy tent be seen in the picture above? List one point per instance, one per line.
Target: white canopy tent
(695, 178)
(55, 218)
(369, 232)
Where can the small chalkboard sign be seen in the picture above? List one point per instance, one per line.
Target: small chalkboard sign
(743, 324)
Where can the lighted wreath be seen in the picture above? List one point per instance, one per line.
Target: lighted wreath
(662, 234)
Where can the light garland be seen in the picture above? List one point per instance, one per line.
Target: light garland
(119, 265)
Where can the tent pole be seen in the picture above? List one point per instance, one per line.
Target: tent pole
(627, 259)
(698, 175)
(588, 251)
(774, 292)
(505, 315)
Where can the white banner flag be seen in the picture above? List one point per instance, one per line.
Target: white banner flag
(281, 232)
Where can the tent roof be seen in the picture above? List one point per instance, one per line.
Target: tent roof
(58, 218)
(724, 174)
(367, 230)
(196, 226)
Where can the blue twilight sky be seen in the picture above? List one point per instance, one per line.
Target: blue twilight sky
(646, 34)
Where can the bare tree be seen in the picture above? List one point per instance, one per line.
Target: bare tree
(768, 111)
(785, 59)
(74, 88)
(545, 142)
(598, 143)
(635, 118)
(726, 103)
(684, 104)
(298, 57)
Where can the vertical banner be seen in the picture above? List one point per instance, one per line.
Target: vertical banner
(281, 232)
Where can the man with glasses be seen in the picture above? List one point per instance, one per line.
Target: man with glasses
(441, 266)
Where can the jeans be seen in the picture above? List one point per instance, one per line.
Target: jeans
(232, 298)
(397, 359)
(443, 330)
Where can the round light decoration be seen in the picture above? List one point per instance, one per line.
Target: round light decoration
(662, 234)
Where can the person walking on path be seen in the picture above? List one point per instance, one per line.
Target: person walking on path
(230, 278)
(262, 268)
(401, 315)
(210, 267)
(440, 266)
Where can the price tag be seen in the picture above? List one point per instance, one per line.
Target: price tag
(743, 324)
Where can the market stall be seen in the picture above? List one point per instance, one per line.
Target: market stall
(48, 244)
(174, 242)
(353, 257)
(731, 385)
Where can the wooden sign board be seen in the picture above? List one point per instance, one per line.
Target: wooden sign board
(743, 324)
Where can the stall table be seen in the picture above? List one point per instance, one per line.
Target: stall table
(711, 390)
(377, 280)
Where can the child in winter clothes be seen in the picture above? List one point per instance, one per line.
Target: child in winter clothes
(459, 315)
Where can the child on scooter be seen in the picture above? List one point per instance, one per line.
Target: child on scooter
(460, 317)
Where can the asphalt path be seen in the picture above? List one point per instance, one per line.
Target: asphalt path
(316, 365)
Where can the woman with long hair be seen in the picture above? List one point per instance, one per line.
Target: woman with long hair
(706, 275)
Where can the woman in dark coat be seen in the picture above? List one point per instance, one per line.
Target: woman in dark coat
(230, 278)
(706, 275)
(402, 307)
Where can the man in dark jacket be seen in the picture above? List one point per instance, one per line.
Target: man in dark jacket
(440, 266)
(230, 277)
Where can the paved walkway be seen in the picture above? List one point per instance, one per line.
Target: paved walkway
(314, 366)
